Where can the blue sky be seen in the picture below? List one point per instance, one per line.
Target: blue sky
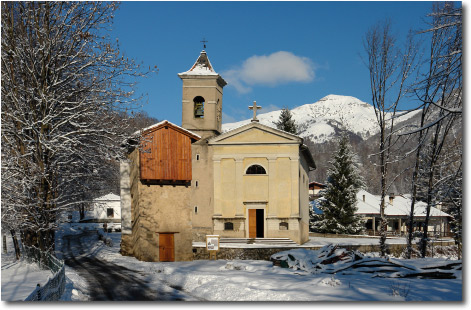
(316, 46)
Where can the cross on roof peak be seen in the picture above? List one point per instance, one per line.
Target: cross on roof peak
(255, 108)
(204, 42)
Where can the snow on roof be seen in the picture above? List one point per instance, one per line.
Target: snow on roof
(202, 66)
(399, 207)
(161, 123)
(108, 197)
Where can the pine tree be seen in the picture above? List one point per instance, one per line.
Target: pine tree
(338, 205)
(286, 123)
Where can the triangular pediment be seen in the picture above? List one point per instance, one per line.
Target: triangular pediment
(255, 133)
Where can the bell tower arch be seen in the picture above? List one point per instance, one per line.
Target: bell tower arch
(202, 98)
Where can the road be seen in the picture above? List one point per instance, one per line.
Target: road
(108, 281)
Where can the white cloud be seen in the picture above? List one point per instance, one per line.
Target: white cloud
(275, 69)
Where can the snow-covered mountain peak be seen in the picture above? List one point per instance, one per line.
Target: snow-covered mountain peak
(320, 120)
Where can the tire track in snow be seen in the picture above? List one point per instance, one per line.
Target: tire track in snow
(108, 281)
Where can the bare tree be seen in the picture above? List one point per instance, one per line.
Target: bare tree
(440, 93)
(390, 68)
(64, 83)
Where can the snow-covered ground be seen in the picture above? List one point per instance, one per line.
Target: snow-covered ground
(251, 280)
(19, 278)
(237, 280)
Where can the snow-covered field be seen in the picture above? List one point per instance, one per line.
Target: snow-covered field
(224, 280)
(237, 280)
(19, 278)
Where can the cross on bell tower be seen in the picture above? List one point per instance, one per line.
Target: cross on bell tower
(204, 43)
(255, 108)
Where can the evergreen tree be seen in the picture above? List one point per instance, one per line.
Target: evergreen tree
(286, 123)
(338, 205)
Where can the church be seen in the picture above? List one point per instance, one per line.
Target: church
(182, 183)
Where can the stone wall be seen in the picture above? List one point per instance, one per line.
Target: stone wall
(200, 253)
(163, 209)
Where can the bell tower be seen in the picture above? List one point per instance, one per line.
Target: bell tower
(202, 98)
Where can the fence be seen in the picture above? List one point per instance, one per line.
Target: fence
(55, 286)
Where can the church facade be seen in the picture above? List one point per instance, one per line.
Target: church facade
(183, 183)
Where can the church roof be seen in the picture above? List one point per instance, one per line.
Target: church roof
(202, 66)
(290, 136)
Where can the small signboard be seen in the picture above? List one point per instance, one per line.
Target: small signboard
(212, 242)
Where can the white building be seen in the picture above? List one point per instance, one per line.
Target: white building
(397, 212)
(106, 208)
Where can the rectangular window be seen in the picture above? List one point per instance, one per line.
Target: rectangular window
(197, 156)
(110, 212)
(196, 209)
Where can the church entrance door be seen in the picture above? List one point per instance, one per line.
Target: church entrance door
(166, 247)
(256, 223)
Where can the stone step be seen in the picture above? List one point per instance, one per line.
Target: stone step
(258, 240)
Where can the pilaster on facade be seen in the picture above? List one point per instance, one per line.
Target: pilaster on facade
(217, 187)
(272, 191)
(295, 185)
(239, 190)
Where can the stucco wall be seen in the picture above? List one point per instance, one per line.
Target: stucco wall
(208, 88)
(304, 200)
(279, 192)
(202, 191)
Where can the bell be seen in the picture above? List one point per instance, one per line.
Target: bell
(199, 110)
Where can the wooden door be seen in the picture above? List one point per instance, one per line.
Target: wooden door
(166, 247)
(252, 223)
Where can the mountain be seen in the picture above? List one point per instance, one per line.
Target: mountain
(320, 120)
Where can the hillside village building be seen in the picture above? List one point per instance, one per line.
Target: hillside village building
(183, 183)
(397, 211)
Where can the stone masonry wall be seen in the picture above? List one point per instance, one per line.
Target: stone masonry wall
(200, 253)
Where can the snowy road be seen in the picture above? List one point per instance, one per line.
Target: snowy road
(107, 281)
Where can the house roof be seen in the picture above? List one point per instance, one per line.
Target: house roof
(399, 207)
(108, 197)
(318, 184)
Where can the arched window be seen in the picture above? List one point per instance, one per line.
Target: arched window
(256, 169)
(198, 102)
